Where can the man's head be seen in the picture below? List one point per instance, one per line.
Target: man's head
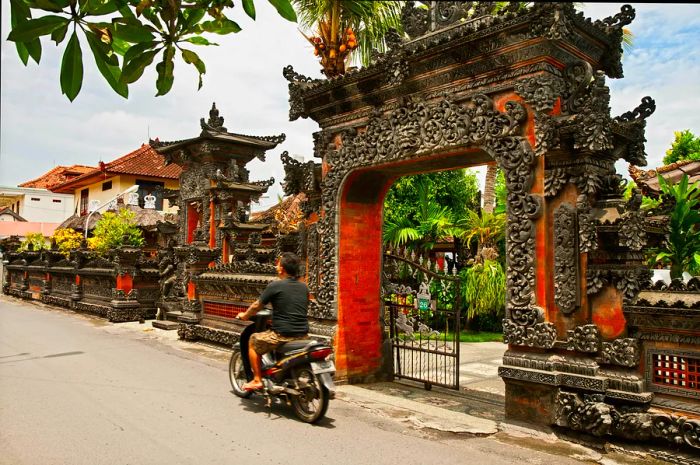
(289, 263)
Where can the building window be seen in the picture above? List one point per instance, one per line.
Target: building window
(106, 185)
(84, 194)
(35, 199)
(673, 372)
(56, 200)
(151, 187)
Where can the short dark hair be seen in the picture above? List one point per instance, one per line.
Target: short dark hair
(290, 263)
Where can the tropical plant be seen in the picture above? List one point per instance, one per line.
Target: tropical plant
(33, 242)
(114, 230)
(338, 28)
(686, 146)
(136, 30)
(681, 248)
(432, 223)
(487, 229)
(484, 288)
(66, 239)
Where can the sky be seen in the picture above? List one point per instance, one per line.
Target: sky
(40, 128)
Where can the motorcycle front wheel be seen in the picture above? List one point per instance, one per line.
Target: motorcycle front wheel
(237, 376)
(311, 405)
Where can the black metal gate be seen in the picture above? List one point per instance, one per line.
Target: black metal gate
(421, 316)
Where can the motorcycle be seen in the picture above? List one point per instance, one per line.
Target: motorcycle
(300, 371)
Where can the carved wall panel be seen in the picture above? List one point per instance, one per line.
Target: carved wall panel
(566, 282)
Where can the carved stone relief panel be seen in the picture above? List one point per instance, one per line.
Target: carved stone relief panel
(566, 253)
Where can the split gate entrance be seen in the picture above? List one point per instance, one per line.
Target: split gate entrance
(422, 319)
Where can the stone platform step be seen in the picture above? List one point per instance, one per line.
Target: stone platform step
(166, 325)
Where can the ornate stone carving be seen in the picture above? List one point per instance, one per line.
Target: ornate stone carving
(587, 236)
(541, 92)
(565, 259)
(628, 281)
(623, 352)
(584, 338)
(590, 414)
(593, 121)
(215, 122)
(632, 234)
(541, 335)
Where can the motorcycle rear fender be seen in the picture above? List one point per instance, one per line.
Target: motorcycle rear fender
(327, 380)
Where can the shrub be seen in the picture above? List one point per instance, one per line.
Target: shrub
(681, 248)
(484, 288)
(66, 239)
(114, 230)
(33, 241)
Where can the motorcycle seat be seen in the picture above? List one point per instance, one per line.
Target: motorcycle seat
(298, 345)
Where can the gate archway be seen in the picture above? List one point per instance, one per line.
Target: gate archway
(526, 89)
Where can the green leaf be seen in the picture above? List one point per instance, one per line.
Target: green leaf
(22, 52)
(198, 40)
(138, 49)
(72, 68)
(49, 5)
(59, 34)
(35, 28)
(34, 49)
(193, 59)
(119, 46)
(192, 17)
(134, 33)
(165, 71)
(220, 26)
(133, 70)
(285, 9)
(109, 71)
(101, 7)
(19, 13)
(249, 8)
(149, 14)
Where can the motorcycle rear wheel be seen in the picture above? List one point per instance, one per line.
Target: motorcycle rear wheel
(237, 375)
(312, 404)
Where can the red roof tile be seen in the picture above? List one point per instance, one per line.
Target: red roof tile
(144, 161)
(57, 175)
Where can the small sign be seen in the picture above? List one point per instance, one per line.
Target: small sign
(423, 298)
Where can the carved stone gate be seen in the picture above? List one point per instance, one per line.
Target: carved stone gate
(423, 328)
(525, 88)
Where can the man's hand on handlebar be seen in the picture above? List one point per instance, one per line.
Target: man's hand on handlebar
(242, 316)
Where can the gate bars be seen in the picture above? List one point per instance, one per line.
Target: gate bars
(423, 328)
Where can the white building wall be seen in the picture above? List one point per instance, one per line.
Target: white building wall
(41, 205)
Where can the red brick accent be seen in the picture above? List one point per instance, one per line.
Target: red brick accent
(358, 341)
(223, 309)
(212, 224)
(192, 220)
(125, 282)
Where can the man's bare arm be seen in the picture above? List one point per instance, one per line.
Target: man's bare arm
(254, 308)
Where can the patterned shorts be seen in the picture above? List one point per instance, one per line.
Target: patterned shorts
(268, 340)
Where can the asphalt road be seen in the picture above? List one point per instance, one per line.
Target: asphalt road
(77, 390)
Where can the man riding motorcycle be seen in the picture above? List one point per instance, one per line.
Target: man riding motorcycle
(290, 303)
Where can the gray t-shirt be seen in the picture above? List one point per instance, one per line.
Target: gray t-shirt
(290, 302)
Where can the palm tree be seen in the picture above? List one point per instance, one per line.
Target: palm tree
(432, 224)
(336, 28)
(486, 229)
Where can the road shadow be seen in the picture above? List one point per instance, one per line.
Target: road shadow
(278, 410)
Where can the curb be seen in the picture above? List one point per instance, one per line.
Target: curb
(421, 415)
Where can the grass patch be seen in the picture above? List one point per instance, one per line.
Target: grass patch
(481, 336)
(464, 336)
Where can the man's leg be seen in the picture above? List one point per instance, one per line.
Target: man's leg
(254, 360)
